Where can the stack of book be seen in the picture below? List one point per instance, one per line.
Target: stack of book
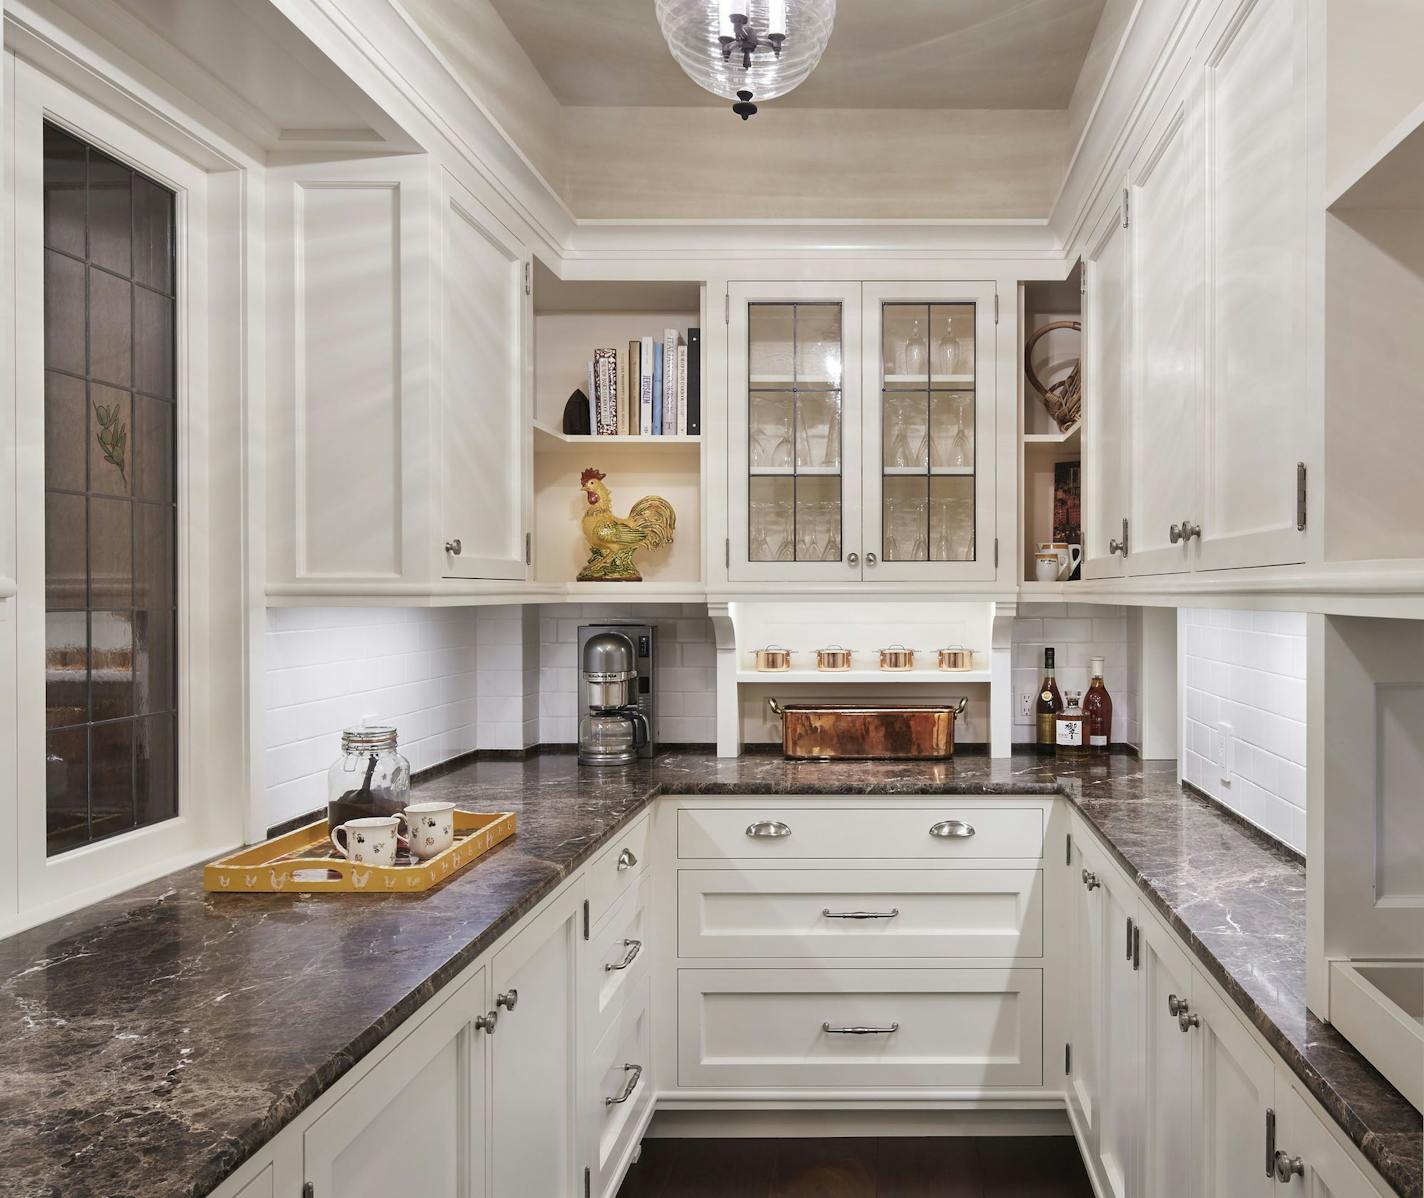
(651, 389)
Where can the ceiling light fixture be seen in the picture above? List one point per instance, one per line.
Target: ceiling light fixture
(747, 50)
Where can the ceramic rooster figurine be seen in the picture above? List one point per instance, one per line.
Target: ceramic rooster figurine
(613, 541)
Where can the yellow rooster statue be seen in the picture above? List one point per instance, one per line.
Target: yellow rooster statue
(612, 541)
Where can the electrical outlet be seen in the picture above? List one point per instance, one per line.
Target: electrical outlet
(1024, 715)
(1223, 750)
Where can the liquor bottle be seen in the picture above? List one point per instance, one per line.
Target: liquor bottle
(1098, 711)
(1050, 703)
(1068, 728)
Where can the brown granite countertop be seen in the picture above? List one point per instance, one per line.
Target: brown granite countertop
(151, 1043)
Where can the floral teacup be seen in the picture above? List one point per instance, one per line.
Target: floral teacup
(432, 828)
(369, 841)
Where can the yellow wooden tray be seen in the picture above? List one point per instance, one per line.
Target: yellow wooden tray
(305, 861)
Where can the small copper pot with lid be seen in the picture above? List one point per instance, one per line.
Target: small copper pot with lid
(956, 657)
(833, 658)
(897, 657)
(773, 659)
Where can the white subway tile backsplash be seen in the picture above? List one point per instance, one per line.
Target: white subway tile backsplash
(1247, 669)
(1077, 632)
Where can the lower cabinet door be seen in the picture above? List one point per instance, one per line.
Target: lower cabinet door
(617, 1090)
(1315, 1163)
(415, 1124)
(1170, 1067)
(1237, 1089)
(1120, 1125)
(938, 1028)
(614, 961)
(1085, 995)
(532, 1065)
(860, 913)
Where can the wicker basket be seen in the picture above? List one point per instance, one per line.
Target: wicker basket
(1064, 399)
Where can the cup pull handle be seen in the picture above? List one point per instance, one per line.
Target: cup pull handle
(952, 829)
(768, 829)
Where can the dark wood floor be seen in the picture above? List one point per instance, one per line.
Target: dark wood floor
(890, 1167)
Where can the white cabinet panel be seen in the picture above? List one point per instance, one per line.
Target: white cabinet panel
(1120, 1128)
(416, 1122)
(1256, 411)
(1237, 1088)
(261, 1186)
(532, 1055)
(1085, 948)
(1106, 419)
(1328, 1171)
(940, 1028)
(614, 961)
(878, 832)
(1169, 1066)
(617, 1082)
(486, 337)
(860, 913)
(1165, 216)
(615, 870)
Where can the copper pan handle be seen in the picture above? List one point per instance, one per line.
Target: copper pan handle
(776, 709)
(961, 705)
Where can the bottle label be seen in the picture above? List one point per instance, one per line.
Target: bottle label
(1045, 728)
(1098, 742)
(1070, 732)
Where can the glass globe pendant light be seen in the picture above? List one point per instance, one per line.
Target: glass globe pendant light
(747, 50)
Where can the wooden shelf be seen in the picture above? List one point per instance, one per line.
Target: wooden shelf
(1390, 175)
(548, 437)
(842, 677)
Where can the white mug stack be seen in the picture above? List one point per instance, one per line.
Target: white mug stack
(1055, 561)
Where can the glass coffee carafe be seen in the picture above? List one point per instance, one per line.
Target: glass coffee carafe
(612, 736)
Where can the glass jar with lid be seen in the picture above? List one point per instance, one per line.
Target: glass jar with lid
(369, 778)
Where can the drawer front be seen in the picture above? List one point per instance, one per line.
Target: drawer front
(779, 833)
(619, 1067)
(614, 870)
(774, 1028)
(615, 958)
(860, 913)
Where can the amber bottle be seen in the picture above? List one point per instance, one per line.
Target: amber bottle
(1049, 704)
(1098, 711)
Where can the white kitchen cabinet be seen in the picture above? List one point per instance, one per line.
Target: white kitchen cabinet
(1106, 336)
(1170, 1093)
(1085, 999)
(486, 491)
(399, 415)
(533, 1073)
(861, 432)
(416, 1122)
(617, 1094)
(1312, 1159)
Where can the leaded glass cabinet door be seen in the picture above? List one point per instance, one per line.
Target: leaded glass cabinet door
(928, 431)
(794, 512)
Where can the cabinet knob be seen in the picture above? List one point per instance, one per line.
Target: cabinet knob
(1090, 880)
(1288, 1167)
(1190, 530)
(1186, 1021)
(1116, 546)
(626, 860)
(1174, 534)
(453, 546)
(768, 829)
(508, 999)
(871, 559)
(852, 559)
(1175, 1005)
(485, 1023)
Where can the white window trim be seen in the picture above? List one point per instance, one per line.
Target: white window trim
(213, 707)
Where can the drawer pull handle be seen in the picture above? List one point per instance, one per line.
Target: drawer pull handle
(628, 1087)
(768, 829)
(860, 1031)
(626, 860)
(952, 829)
(890, 914)
(634, 947)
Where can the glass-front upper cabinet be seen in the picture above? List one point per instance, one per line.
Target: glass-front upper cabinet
(928, 458)
(862, 429)
(794, 357)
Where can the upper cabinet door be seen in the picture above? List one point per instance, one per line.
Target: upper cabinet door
(1256, 394)
(1106, 417)
(928, 431)
(1164, 226)
(794, 432)
(485, 375)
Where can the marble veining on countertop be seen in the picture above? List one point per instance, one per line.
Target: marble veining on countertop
(151, 1043)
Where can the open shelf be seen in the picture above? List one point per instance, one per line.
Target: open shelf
(546, 437)
(931, 677)
(1069, 440)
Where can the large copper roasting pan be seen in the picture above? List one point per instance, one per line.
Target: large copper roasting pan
(820, 731)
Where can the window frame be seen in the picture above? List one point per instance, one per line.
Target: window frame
(43, 885)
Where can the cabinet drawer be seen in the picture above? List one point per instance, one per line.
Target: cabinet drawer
(860, 832)
(619, 1067)
(615, 959)
(953, 1028)
(615, 869)
(860, 913)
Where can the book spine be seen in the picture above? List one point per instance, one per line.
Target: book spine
(592, 392)
(694, 382)
(682, 390)
(659, 377)
(632, 418)
(604, 364)
(645, 389)
(620, 385)
(669, 424)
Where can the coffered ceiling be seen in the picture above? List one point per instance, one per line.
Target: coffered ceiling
(928, 54)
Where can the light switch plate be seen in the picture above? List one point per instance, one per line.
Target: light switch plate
(1223, 750)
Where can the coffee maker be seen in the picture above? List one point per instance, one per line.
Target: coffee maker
(615, 694)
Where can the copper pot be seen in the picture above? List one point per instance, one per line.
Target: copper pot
(897, 657)
(773, 659)
(956, 657)
(823, 731)
(833, 657)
